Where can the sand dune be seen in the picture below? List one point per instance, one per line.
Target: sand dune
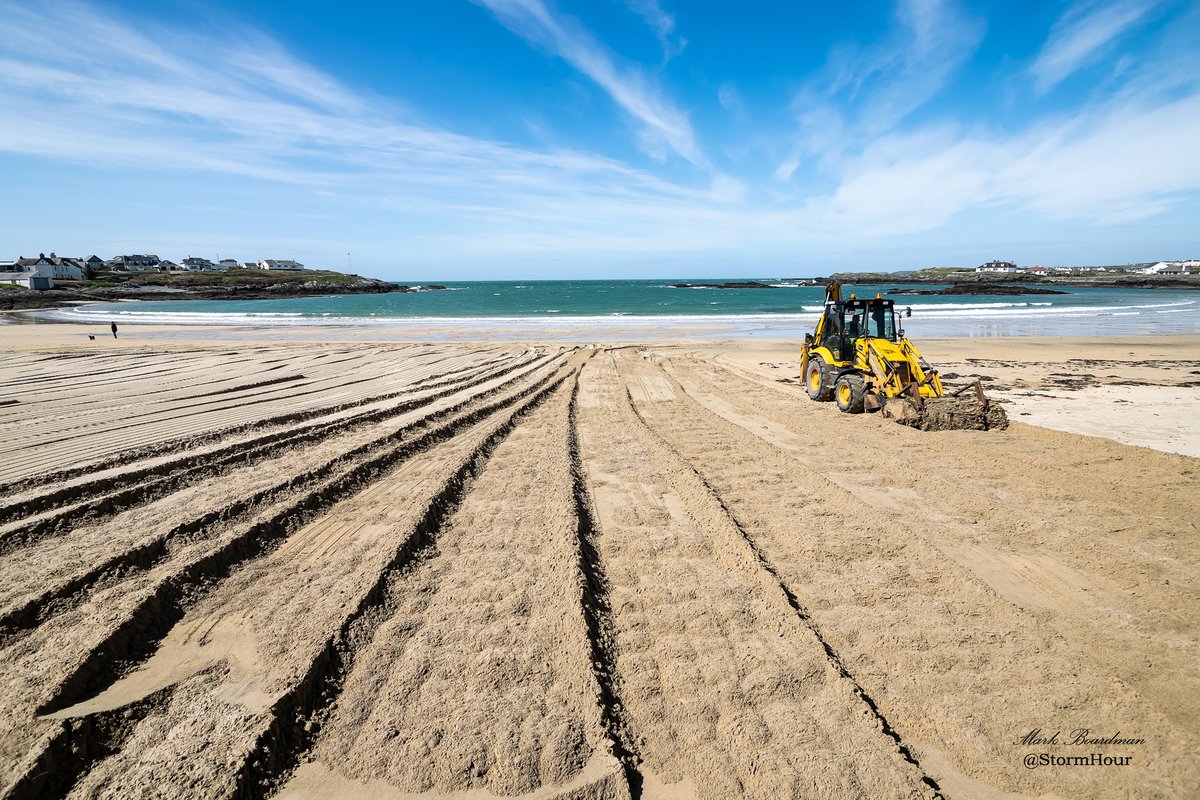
(543, 571)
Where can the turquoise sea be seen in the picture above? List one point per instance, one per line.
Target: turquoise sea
(588, 308)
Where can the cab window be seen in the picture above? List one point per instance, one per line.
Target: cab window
(883, 323)
(855, 327)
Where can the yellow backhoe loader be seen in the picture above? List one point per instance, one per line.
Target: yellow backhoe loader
(859, 357)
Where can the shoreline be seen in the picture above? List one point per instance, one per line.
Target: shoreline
(1006, 318)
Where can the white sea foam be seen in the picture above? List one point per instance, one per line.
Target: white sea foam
(927, 319)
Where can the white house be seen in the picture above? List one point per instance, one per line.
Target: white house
(191, 264)
(1171, 268)
(226, 263)
(52, 266)
(997, 266)
(286, 263)
(139, 263)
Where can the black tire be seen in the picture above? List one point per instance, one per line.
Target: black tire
(816, 380)
(849, 392)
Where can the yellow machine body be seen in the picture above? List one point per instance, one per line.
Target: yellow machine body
(859, 356)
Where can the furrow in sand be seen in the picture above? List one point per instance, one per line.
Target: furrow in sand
(133, 616)
(255, 659)
(478, 677)
(114, 370)
(128, 389)
(597, 611)
(52, 574)
(137, 463)
(727, 690)
(961, 670)
(119, 450)
(175, 375)
(141, 412)
(85, 500)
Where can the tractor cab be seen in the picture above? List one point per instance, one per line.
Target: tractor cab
(875, 318)
(844, 322)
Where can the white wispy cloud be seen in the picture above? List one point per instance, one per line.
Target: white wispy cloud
(1081, 35)
(863, 92)
(630, 89)
(662, 24)
(254, 111)
(1115, 163)
(1124, 158)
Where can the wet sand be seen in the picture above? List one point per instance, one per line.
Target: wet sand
(333, 565)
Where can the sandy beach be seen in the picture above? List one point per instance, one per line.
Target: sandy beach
(326, 563)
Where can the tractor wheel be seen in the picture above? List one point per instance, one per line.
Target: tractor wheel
(849, 393)
(817, 380)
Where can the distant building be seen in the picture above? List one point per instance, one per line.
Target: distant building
(29, 280)
(191, 264)
(138, 263)
(1171, 268)
(168, 266)
(997, 266)
(94, 262)
(285, 263)
(227, 263)
(65, 269)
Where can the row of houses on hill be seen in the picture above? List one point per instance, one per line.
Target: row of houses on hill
(1162, 268)
(41, 272)
(152, 263)
(1010, 267)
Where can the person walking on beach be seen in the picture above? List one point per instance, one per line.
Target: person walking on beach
(114, 329)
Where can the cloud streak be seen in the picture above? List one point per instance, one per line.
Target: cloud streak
(1081, 35)
(865, 92)
(662, 24)
(628, 88)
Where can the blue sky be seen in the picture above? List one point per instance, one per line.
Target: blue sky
(527, 139)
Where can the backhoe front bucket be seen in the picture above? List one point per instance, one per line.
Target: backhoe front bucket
(962, 410)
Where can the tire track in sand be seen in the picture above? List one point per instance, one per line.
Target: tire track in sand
(644, 378)
(728, 692)
(481, 678)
